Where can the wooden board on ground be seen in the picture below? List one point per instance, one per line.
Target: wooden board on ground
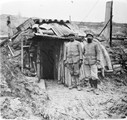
(32, 79)
(41, 84)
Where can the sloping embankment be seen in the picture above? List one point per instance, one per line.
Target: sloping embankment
(19, 97)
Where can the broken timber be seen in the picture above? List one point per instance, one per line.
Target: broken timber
(38, 62)
(10, 50)
(22, 54)
(41, 84)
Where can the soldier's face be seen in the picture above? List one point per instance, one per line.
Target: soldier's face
(89, 39)
(72, 39)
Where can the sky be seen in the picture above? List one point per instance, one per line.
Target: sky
(78, 10)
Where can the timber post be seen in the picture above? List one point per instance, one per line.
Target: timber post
(22, 54)
(111, 23)
(38, 62)
(108, 22)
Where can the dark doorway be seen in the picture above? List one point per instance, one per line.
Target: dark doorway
(47, 58)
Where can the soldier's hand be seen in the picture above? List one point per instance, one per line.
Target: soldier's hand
(65, 62)
(98, 62)
(80, 62)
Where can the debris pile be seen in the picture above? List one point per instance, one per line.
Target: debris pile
(12, 108)
(119, 59)
(119, 108)
(117, 105)
(20, 97)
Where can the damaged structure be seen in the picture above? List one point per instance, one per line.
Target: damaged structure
(40, 45)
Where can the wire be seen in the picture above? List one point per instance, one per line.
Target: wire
(91, 9)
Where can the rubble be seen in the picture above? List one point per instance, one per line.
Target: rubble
(119, 108)
(12, 108)
(119, 59)
(21, 97)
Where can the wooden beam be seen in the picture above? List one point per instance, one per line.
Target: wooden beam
(111, 24)
(108, 17)
(22, 54)
(10, 50)
(115, 38)
(104, 28)
(41, 84)
(38, 62)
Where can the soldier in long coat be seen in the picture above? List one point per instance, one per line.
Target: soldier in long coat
(73, 59)
(91, 54)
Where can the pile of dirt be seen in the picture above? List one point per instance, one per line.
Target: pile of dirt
(119, 58)
(119, 108)
(12, 108)
(19, 96)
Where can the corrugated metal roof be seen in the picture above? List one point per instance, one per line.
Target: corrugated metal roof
(45, 26)
(51, 28)
(40, 21)
(76, 29)
(53, 37)
(59, 30)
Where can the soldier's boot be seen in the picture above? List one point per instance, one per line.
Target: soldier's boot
(59, 82)
(72, 86)
(79, 88)
(96, 91)
(78, 84)
(91, 85)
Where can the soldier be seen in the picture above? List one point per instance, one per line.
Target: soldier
(91, 52)
(73, 59)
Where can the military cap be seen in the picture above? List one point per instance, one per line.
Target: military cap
(89, 34)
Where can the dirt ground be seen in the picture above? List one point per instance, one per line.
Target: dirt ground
(83, 104)
(65, 104)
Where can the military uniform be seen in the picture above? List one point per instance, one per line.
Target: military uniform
(72, 57)
(91, 52)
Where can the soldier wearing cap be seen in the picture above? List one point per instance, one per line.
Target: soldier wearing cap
(91, 55)
(73, 59)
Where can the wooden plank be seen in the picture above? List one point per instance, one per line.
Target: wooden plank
(22, 54)
(116, 38)
(41, 84)
(26, 46)
(28, 23)
(38, 62)
(10, 50)
(41, 60)
(51, 36)
(111, 23)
